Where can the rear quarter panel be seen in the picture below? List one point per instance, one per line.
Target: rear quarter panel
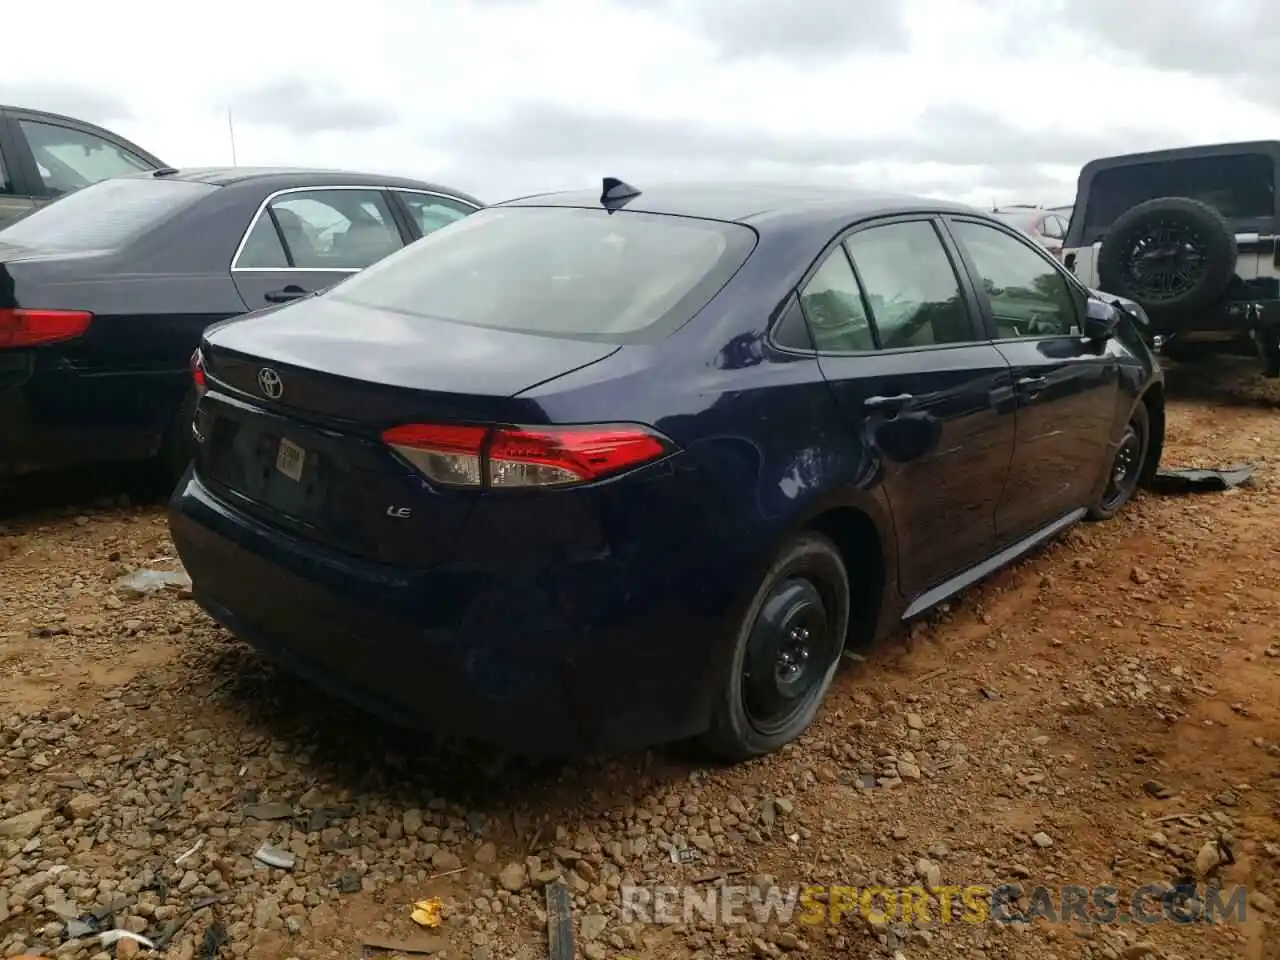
(759, 430)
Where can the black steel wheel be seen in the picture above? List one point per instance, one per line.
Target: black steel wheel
(1127, 463)
(786, 648)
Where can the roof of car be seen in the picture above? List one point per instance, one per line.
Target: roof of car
(1270, 147)
(283, 177)
(755, 203)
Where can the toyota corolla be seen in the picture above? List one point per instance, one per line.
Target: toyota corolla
(591, 471)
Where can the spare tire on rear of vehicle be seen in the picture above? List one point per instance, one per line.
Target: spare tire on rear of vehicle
(1172, 255)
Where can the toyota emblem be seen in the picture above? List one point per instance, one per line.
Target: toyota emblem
(270, 384)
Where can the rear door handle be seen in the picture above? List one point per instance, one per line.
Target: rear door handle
(291, 292)
(888, 403)
(1032, 384)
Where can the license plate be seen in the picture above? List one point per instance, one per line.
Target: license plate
(290, 459)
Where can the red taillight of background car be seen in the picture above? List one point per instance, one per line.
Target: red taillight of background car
(197, 370)
(522, 457)
(20, 327)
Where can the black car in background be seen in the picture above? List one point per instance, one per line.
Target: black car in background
(105, 293)
(44, 156)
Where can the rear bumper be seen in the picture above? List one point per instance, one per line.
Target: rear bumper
(455, 650)
(27, 446)
(54, 417)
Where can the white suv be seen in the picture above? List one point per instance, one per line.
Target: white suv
(1191, 236)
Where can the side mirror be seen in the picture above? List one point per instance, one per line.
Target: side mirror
(1101, 320)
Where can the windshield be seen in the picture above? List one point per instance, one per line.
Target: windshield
(1241, 186)
(104, 215)
(559, 271)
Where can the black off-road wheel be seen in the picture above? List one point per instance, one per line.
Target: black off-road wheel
(1173, 255)
(1128, 465)
(785, 651)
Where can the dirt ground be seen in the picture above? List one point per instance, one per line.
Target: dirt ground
(1105, 714)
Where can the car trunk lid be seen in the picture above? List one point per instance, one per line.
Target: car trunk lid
(299, 396)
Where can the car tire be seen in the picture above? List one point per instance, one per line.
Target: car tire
(786, 647)
(1127, 469)
(1203, 221)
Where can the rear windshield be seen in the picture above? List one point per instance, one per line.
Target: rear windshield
(104, 215)
(625, 277)
(1241, 186)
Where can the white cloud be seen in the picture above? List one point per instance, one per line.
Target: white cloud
(978, 99)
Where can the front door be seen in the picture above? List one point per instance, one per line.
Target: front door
(898, 340)
(1067, 388)
(305, 240)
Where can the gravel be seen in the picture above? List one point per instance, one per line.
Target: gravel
(1105, 713)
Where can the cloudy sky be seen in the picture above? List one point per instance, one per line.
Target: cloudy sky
(978, 100)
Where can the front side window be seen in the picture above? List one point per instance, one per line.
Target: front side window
(431, 213)
(560, 271)
(1029, 297)
(69, 159)
(832, 304)
(342, 230)
(910, 285)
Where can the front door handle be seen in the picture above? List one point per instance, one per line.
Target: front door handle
(888, 403)
(291, 292)
(1033, 384)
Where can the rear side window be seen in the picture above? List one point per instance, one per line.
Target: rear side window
(568, 272)
(1241, 186)
(832, 303)
(321, 230)
(910, 285)
(105, 215)
(68, 159)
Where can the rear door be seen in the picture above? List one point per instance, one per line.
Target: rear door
(897, 335)
(14, 193)
(1066, 388)
(305, 239)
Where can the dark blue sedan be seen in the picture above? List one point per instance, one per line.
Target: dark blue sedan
(591, 471)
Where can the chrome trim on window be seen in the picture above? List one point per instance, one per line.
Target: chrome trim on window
(375, 188)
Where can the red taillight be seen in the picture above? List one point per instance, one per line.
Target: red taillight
(465, 456)
(20, 327)
(197, 370)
